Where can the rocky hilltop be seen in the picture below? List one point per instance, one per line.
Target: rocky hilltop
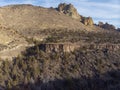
(106, 26)
(70, 10)
(35, 18)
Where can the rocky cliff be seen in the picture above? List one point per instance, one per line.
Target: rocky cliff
(70, 10)
(70, 47)
(110, 47)
(58, 47)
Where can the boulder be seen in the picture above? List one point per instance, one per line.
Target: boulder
(87, 21)
(100, 23)
(69, 10)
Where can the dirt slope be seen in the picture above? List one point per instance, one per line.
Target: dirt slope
(22, 17)
(20, 22)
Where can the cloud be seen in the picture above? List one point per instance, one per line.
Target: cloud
(101, 10)
(8, 2)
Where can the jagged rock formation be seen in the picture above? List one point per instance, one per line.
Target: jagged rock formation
(106, 26)
(87, 21)
(70, 10)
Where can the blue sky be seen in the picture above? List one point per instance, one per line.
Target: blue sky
(99, 10)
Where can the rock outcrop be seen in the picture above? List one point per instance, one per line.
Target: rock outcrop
(87, 21)
(110, 47)
(58, 47)
(69, 47)
(70, 10)
(106, 26)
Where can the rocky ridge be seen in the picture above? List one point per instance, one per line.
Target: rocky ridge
(70, 47)
(70, 10)
(106, 26)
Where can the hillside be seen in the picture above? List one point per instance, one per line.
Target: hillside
(35, 18)
(82, 69)
(21, 23)
(56, 49)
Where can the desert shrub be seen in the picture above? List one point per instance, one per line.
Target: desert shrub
(35, 63)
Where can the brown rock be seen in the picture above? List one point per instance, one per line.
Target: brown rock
(69, 10)
(87, 21)
(100, 24)
(106, 26)
(58, 47)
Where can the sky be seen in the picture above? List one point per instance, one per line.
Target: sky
(99, 10)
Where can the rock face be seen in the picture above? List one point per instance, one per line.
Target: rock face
(110, 47)
(58, 47)
(69, 47)
(106, 26)
(70, 10)
(87, 21)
